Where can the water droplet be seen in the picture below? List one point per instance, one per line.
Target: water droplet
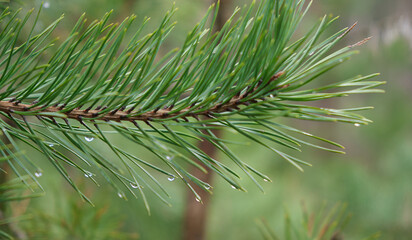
(311, 54)
(307, 134)
(171, 178)
(120, 194)
(134, 185)
(197, 199)
(51, 144)
(38, 174)
(89, 139)
(207, 187)
(88, 174)
(46, 5)
(356, 124)
(168, 158)
(265, 180)
(271, 95)
(233, 187)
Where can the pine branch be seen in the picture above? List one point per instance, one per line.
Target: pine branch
(14, 107)
(93, 84)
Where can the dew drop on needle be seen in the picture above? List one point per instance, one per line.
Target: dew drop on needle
(120, 194)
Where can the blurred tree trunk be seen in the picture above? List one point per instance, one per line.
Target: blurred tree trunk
(4, 176)
(8, 227)
(195, 217)
(128, 7)
(196, 213)
(3, 207)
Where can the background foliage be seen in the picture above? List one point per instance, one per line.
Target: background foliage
(373, 178)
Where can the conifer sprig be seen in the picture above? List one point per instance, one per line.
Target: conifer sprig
(58, 96)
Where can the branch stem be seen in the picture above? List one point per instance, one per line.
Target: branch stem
(118, 115)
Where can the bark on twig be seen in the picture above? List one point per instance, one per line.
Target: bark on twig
(14, 107)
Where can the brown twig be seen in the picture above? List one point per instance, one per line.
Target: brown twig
(13, 107)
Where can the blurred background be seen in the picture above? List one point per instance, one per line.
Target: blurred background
(374, 177)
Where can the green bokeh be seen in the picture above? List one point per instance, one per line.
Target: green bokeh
(374, 177)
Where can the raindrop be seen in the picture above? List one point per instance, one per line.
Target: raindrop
(168, 158)
(120, 194)
(233, 187)
(88, 174)
(265, 180)
(311, 54)
(356, 124)
(307, 134)
(197, 199)
(89, 139)
(134, 185)
(51, 144)
(38, 174)
(46, 5)
(171, 178)
(207, 187)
